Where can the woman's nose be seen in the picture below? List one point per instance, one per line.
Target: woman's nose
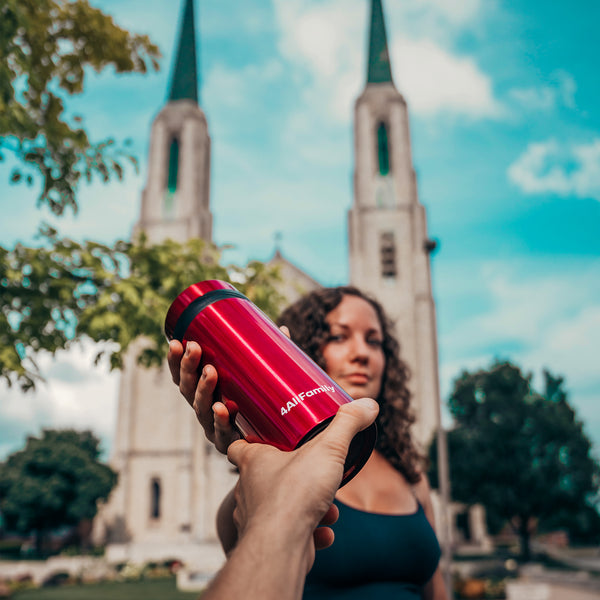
(360, 349)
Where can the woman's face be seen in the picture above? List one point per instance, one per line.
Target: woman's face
(353, 353)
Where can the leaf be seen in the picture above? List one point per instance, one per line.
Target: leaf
(52, 48)
(64, 290)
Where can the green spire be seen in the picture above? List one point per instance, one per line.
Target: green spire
(379, 58)
(184, 85)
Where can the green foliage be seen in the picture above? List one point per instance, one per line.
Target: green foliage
(62, 291)
(46, 47)
(55, 480)
(520, 453)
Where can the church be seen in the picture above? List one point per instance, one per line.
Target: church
(171, 480)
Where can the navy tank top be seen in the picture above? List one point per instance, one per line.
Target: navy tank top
(375, 556)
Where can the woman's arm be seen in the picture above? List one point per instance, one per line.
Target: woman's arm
(226, 529)
(435, 588)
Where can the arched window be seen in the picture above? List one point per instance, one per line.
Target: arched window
(155, 493)
(383, 149)
(172, 174)
(387, 250)
(173, 166)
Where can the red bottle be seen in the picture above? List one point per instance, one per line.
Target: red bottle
(276, 394)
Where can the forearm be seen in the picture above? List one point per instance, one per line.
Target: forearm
(226, 529)
(268, 563)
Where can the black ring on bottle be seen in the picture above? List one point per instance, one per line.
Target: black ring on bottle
(199, 304)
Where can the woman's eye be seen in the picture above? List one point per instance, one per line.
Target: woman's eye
(377, 343)
(336, 338)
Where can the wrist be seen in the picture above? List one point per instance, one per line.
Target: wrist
(277, 558)
(287, 529)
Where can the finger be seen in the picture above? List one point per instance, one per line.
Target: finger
(174, 359)
(224, 432)
(349, 420)
(188, 371)
(331, 516)
(285, 331)
(204, 397)
(323, 537)
(222, 416)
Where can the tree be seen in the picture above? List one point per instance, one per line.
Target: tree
(64, 291)
(46, 47)
(56, 480)
(523, 455)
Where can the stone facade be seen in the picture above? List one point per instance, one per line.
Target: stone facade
(294, 282)
(179, 128)
(171, 480)
(388, 243)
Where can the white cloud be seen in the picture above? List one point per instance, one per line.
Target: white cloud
(435, 80)
(328, 40)
(456, 12)
(525, 303)
(535, 98)
(322, 36)
(239, 88)
(76, 394)
(549, 167)
(537, 319)
(561, 92)
(435, 19)
(571, 345)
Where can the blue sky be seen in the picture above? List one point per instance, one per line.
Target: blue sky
(506, 144)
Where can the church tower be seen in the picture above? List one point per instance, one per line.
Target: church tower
(387, 229)
(171, 480)
(175, 201)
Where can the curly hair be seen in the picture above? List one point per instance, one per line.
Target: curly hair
(306, 320)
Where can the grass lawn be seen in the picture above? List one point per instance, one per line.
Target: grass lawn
(149, 589)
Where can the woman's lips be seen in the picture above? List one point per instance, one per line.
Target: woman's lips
(357, 378)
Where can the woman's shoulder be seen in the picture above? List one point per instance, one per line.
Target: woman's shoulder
(422, 489)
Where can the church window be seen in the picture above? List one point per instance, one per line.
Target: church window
(383, 149)
(172, 173)
(155, 497)
(387, 250)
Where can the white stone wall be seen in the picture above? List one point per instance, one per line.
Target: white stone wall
(157, 436)
(185, 120)
(407, 298)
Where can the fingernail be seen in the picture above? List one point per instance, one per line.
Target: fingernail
(187, 349)
(368, 403)
(203, 373)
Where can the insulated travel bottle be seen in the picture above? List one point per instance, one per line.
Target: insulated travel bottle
(274, 392)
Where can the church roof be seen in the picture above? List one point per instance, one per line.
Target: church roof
(379, 70)
(184, 85)
(294, 281)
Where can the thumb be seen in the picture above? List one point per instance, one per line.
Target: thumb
(236, 451)
(350, 419)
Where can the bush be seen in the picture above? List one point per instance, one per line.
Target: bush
(10, 548)
(56, 579)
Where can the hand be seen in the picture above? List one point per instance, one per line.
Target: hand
(291, 493)
(199, 391)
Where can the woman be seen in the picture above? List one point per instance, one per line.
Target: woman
(385, 544)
